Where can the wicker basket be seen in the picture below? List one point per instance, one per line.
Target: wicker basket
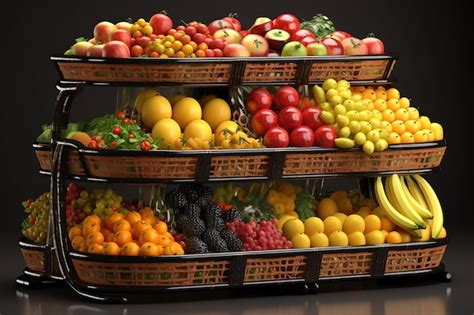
(45, 159)
(34, 257)
(351, 70)
(246, 268)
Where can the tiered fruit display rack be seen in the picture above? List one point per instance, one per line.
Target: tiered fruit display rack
(118, 278)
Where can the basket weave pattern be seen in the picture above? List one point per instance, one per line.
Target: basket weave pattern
(353, 70)
(418, 259)
(141, 167)
(345, 264)
(355, 161)
(74, 163)
(34, 259)
(165, 73)
(153, 274)
(234, 166)
(262, 72)
(260, 269)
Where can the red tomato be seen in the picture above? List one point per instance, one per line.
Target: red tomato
(311, 117)
(145, 145)
(263, 120)
(324, 137)
(287, 22)
(258, 99)
(286, 96)
(290, 117)
(161, 24)
(276, 137)
(302, 136)
(116, 130)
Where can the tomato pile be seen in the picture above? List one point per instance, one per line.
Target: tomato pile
(224, 37)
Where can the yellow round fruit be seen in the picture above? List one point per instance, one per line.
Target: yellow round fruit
(282, 220)
(442, 233)
(206, 98)
(381, 94)
(339, 194)
(438, 131)
(384, 233)
(363, 211)
(198, 128)
(175, 98)
(332, 224)
(393, 104)
(372, 223)
(168, 130)
(402, 114)
(370, 94)
(353, 223)
(155, 108)
(356, 239)
(393, 94)
(225, 130)
(293, 214)
(380, 105)
(425, 234)
(404, 102)
(329, 84)
(341, 216)
(293, 227)
(425, 122)
(393, 138)
(413, 113)
(406, 238)
(186, 110)
(374, 237)
(393, 237)
(407, 137)
(143, 96)
(338, 238)
(319, 240)
(344, 205)
(215, 112)
(301, 240)
(326, 207)
(313, 225)
(398, 126)
(386, 224)
(420, 136)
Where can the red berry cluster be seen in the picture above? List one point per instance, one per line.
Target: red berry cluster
(74, 216)
(263, 235)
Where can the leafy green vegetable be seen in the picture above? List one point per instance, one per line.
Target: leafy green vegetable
(320, 25)
(305, 205)
(46, 135)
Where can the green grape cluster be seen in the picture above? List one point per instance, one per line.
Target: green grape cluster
(35, 226)
(98, 201)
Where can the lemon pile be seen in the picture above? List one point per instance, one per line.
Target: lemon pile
(372, 118)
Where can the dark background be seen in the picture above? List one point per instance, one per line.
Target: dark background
(430, 38)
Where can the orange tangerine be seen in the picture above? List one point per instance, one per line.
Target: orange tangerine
(111, 248)
(398, 126)
(386, 224)
(393, 138)
(95, 249)
(150, 220)
(149, 235)
(92, 218)
(146, 210)
(163, 240)
(132, 217)
(404, 102)
(122, 225)
(83, 248)
(381, 94)
(73, 232)
(160, 227)
(388, 115)
(412, 126)
(149, 249)
(95, 238)
(402, 114)
(169, 235)
(130, 249)
(413, 113)
(386, 126)
(393, 94)
(421, 136)
(77, 242)
(407, 137)
(425, 122)
(109, 236)
(370, 94)
(89, 228)
(122, 237)
(393, 104)
(380, 104)
(111, 219)
(368, 104)
(358, 89)
(139, 227)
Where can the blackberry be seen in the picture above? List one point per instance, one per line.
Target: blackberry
(231, 215)
(211, 212)
(195, 246)
(217, 245)
(181, 221)
(169, 197)
(193, 211)
(205, 195)
(209, 235)
(232, 241)
(194, 227)
(215, 223)
(180, 200)
(189, 190)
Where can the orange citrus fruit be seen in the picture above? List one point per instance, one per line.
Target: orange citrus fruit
(77, 242)
(122, 237)
(130, 249)
(139, 227)
(111, 219)
(89, 228)
(95, 238)
(73, 232)
(160, 227)
(111, 248)
(149, 249)
(95, 249)
(149, 235)
(122, 225)
(132, 217)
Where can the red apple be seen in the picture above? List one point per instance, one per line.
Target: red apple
(103, 31)
(311, 117)
(300, 34)
(219, 24)
(276, 137)
(244, 32)
(81, 48)
(95, 51)
(302, 136)
(123, 26)
(287, 22)
(236, 50)
(324, 137)
(93, 41)
(277, 39)
(273, 53)
(229, 36)
(232, 19)
(256, 44)
(286, 96)
(261, 26)
(161, 24)
(217, 43)
(258, 99)
(354, 46)
(333, 46)
(340, 35)
(374, 45)
(122, 36)
(316, 49)
(263, 120)
(115, 49)
(218, 52)
(290, 118)
(308, 40)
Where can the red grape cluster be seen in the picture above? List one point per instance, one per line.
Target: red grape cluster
(263, 235)
(74, 216)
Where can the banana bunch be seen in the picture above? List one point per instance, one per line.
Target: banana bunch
(410, 202)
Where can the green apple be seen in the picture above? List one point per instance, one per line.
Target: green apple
(294, 48)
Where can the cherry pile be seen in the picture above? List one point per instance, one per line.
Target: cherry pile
(262, 235)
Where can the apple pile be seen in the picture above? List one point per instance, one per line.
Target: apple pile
(278, 119)
(282, 36)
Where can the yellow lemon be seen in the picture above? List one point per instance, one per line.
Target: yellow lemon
(198, 128)
(143, 96)
(215, 112)
(155, 108)
(168, 130)
(319, 240)
(313, 225)
(338, 238)
(186, 110)
(175, 98)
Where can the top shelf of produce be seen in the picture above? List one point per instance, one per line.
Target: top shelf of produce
(222, 53)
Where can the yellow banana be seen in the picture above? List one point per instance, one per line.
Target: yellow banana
(416, 192)
(392, 213)
(422, 211)
(405, 206)
(433, 204)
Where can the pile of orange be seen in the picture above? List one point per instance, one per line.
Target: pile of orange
(133, 234)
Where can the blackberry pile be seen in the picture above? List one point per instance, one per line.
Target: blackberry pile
(201, 221)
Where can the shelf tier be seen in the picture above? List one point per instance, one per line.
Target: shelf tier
(172, 166)
(370, 69)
